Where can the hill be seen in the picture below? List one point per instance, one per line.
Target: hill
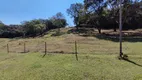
(97, 58)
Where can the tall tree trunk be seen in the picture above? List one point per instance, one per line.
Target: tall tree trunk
(77, 27)
(114, 29)
(99, 29)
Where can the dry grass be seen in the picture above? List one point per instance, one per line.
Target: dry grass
(65, 43)
(97, 59)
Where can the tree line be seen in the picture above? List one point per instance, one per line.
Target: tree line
(104, 14)
(33, 27)
(99, 14)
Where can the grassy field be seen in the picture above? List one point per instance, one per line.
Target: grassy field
(65, 67)
(98, 59)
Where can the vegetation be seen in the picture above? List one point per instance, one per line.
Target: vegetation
(58, 21)
(75, 11)
(97, 49)
(64, 66)
(97, 58)
(104, 14)
(99, 14)
(32, 28)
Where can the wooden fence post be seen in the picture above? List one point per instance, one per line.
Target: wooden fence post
(24, 47)
(76, 51)
(45, 49)
(7, 48)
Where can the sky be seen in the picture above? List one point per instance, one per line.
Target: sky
(16, 11)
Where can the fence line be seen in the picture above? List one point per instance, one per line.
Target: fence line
(64, 47)
(7, 48)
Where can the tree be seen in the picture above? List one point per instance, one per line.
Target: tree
(130, 13)
(1, 24)
(113, 16)
(10, 31)
(104, 14)
(98, 9)
(58, 21)
(74, 11)
(34, 27)
(48, 23)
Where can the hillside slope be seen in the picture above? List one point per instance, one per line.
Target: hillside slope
(97, 58)
(65, 42)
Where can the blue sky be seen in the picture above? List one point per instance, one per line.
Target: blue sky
(16, 11)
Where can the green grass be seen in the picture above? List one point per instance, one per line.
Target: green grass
(65, 67)
(97, 59)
